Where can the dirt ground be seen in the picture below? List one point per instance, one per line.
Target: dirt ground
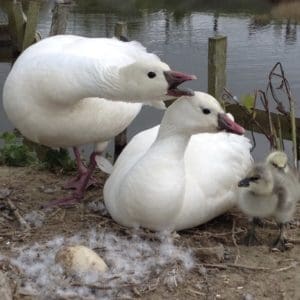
(223, 267)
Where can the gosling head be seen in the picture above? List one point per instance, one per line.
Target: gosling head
(259, 180)
(278, 160)
(200, 113)
(152, 81)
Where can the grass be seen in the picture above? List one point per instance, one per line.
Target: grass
(19, 152)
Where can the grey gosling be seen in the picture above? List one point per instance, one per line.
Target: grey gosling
(271, 189)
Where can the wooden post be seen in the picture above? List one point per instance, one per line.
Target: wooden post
(22, 28)
(121, 30)
(217, 52)
(16, 21)
(121, 138)
(59, 18)
(6, 54)
(31, 24)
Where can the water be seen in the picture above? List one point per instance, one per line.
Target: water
(178, 32)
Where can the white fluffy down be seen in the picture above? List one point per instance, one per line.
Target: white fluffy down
(131, 261)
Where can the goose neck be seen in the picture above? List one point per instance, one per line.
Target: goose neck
(172, 141)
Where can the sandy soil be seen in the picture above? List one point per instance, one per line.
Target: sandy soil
(227, 270)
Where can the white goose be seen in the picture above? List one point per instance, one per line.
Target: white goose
(52, 93)
(167, 179)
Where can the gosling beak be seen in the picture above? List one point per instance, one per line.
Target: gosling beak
(174, 79)
(244, 182)
(227, 123)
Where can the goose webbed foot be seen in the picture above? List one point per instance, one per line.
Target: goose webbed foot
(259, 222)
(81, 184)
(281, 243)
(250, 238)
(82, 172)
(74, 183)
(67, 201)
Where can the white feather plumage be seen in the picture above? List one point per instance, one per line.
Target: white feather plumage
(52, 94)
(167, 186)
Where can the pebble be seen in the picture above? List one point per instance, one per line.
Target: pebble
(4, 192)
(5, 290)
(248, 297)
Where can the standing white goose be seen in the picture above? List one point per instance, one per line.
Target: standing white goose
(167, 179)
(53, 93)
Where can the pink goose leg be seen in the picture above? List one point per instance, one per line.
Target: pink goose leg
(81, 185)
(81, 170)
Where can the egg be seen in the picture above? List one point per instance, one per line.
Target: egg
(76, 260)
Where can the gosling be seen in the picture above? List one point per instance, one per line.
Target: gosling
(278, 160)
(271, 189)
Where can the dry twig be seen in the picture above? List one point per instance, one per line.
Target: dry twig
(105, 287)
(20, 219)
(271, 93)
(293, 265)
(234, 242)
(237, 266)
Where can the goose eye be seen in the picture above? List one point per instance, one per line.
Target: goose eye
(254, 178)
(206, 111)
(151, 74)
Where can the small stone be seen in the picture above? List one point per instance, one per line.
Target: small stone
(5, 290)
(202, 270)
(248, 297)
(35, 218)
(4, 192)
(211, 254)
(98, 207)
(47, 190)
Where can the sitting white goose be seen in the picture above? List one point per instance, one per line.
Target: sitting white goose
(167, 179)
(52, 93)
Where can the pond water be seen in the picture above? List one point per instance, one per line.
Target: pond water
(259, 34)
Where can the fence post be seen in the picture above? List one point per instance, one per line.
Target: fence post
(16, 24)
(121, 138)
(31, 24)
(59, 18)
(59, 22)
(121, 30)
(217, 52)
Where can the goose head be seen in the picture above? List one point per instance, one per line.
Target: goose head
(152, 81)
(279, 160)
(199, 113)
(259, 180)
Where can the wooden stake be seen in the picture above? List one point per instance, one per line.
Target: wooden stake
(217, 52)
(31, 24)
(121, 138)
(59, 18)
(17, 214)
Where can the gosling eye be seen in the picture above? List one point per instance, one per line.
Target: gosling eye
(278, 167)
(206, 111)
(254, 178)
(151, 74)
